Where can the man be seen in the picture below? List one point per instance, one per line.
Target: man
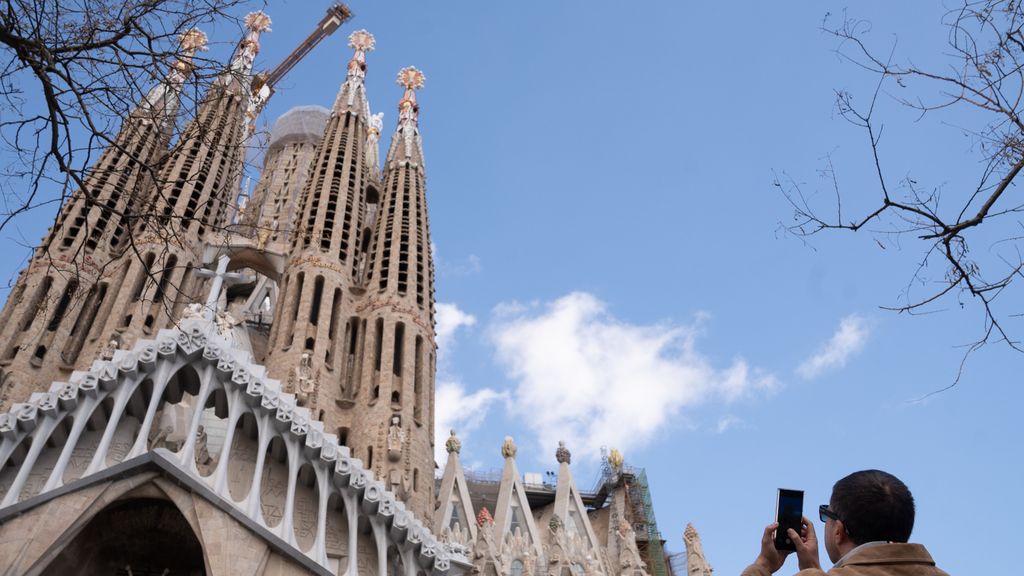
(867, 524)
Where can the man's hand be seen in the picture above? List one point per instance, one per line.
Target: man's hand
(806, 545)
(771, 559)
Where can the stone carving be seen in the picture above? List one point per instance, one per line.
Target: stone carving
(453, 444)
(107, 352)
(395, 438)
(486, 551)
(225, 324)
(518, 548)
(263, 235)
(556, 547)
(193, 311)
(303, 381)
(204, 461)
(562, 454)
(630, 562)
(696, 563)
(508, 448)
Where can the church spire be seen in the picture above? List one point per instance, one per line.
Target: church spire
(73, 266)
(352, 94)
(162, 101)
(406, 144)
(362, 42)
(189, 204)
(256, 23)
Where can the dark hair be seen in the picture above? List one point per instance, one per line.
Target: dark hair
(874, 505)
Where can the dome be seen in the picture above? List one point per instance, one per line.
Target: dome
(300, 124)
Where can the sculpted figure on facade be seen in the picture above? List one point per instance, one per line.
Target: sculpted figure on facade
(226, 324)
(395, 438)
(107, 352)
(630, 562)
(304, 381)
(262, 235)
(204, 460)
(193, 311)
(556, 549)
(696, 563)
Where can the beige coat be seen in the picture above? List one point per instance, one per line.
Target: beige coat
(885, 560)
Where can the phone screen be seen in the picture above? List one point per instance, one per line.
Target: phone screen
(789, 514)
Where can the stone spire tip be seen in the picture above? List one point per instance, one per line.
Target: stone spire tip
(562, 454)
(508, 448)
(453, 445)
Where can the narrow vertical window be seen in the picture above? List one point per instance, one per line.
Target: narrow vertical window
(417, 381)
(62, 306)
(378, 343)
(318, 296)
(396, 360)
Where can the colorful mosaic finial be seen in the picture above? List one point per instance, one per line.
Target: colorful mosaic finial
(484, 518)
(412, 80)
(362, 42)
(257, 21)
(193, 41)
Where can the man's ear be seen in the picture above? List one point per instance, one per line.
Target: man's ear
(840, 536)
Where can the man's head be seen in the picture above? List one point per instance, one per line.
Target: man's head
(871, 506)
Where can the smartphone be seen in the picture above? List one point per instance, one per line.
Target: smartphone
(789, 512)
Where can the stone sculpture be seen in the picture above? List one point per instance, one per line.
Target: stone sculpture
(696, 563)
(630, 562)
(453, 444)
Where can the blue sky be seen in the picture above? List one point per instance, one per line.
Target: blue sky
(611, 269)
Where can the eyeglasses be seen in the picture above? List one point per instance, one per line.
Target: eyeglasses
(824, 513)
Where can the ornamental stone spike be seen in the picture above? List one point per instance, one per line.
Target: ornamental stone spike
(453, 445)
(508, 448)
(562, 454)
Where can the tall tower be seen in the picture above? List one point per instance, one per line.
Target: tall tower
(307, 347)
(195, 188)
(269, 216)
(68, 286)
(395, 419)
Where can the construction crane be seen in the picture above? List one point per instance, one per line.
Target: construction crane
(263, 83)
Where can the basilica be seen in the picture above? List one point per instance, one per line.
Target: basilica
(196, 384)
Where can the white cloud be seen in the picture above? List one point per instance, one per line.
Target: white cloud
(466, 267)
(848, 339)
(727, 422)
(449, 319)
(584, 377)
(455, 409)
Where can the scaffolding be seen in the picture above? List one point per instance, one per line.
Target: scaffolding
(640, 514)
